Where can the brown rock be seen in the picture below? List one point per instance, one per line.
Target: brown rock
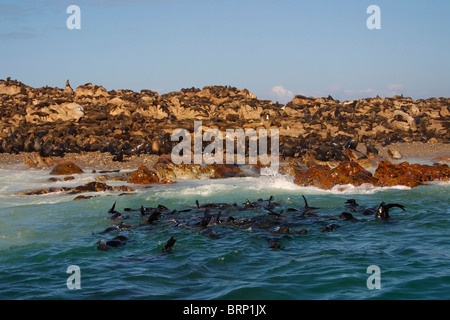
(35, 160)
(143, 175)
(442, 159)
(66, 168)
(347, 172)
(220, 171)
(98, 186)
(309, 177)
(394, 154)
(414, 175)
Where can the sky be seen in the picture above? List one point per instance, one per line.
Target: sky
(274, 48)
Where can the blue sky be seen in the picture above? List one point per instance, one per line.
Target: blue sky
(274, 48)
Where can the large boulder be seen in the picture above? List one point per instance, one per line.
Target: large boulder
(347, 172)
(143, 175)
(219, 171)
(66, 168)
(411, 175)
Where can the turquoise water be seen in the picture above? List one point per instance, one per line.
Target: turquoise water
(41, 236)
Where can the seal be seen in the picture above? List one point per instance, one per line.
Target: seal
(208, 205)
(271, 203)
(352, 143)
(154, 216)
(330, 227)
(307, 210)
(371, 149)
(352, 205)
(248, 204)
(273, 213)
(114, 243)
(110, 229)
(209, 233)
(205, 220)
(382, 212)
(347, 216)
(118, 216)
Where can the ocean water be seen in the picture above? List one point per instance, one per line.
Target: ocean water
(41, 236)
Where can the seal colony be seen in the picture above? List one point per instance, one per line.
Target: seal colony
(323, 142)
(123, 123)
(212, 219)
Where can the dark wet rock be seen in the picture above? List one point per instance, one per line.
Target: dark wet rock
(88, 187)
(83, 198)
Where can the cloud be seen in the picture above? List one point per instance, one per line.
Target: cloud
(10, 10)
(395, 86)
(395, 89)
(341, 93)
(281, 94)
(17, 35)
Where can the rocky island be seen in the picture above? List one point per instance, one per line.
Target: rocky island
(323, 142)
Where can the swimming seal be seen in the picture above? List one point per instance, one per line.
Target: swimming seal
(114, 243)
(248, 204)
(307, 210)
(383, 210)
(330, 227)
(347, 216)
(209, 233)
(110, 229)
(206, 219)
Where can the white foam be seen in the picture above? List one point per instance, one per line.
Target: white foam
(439, 183)
(365, 188)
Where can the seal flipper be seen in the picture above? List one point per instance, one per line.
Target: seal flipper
(272, 213)
(169, 244)
(218, 218)
(306, 202)
(392, 205)
(383, 210)
(113, 209)
(307, 206)
(307, 210)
